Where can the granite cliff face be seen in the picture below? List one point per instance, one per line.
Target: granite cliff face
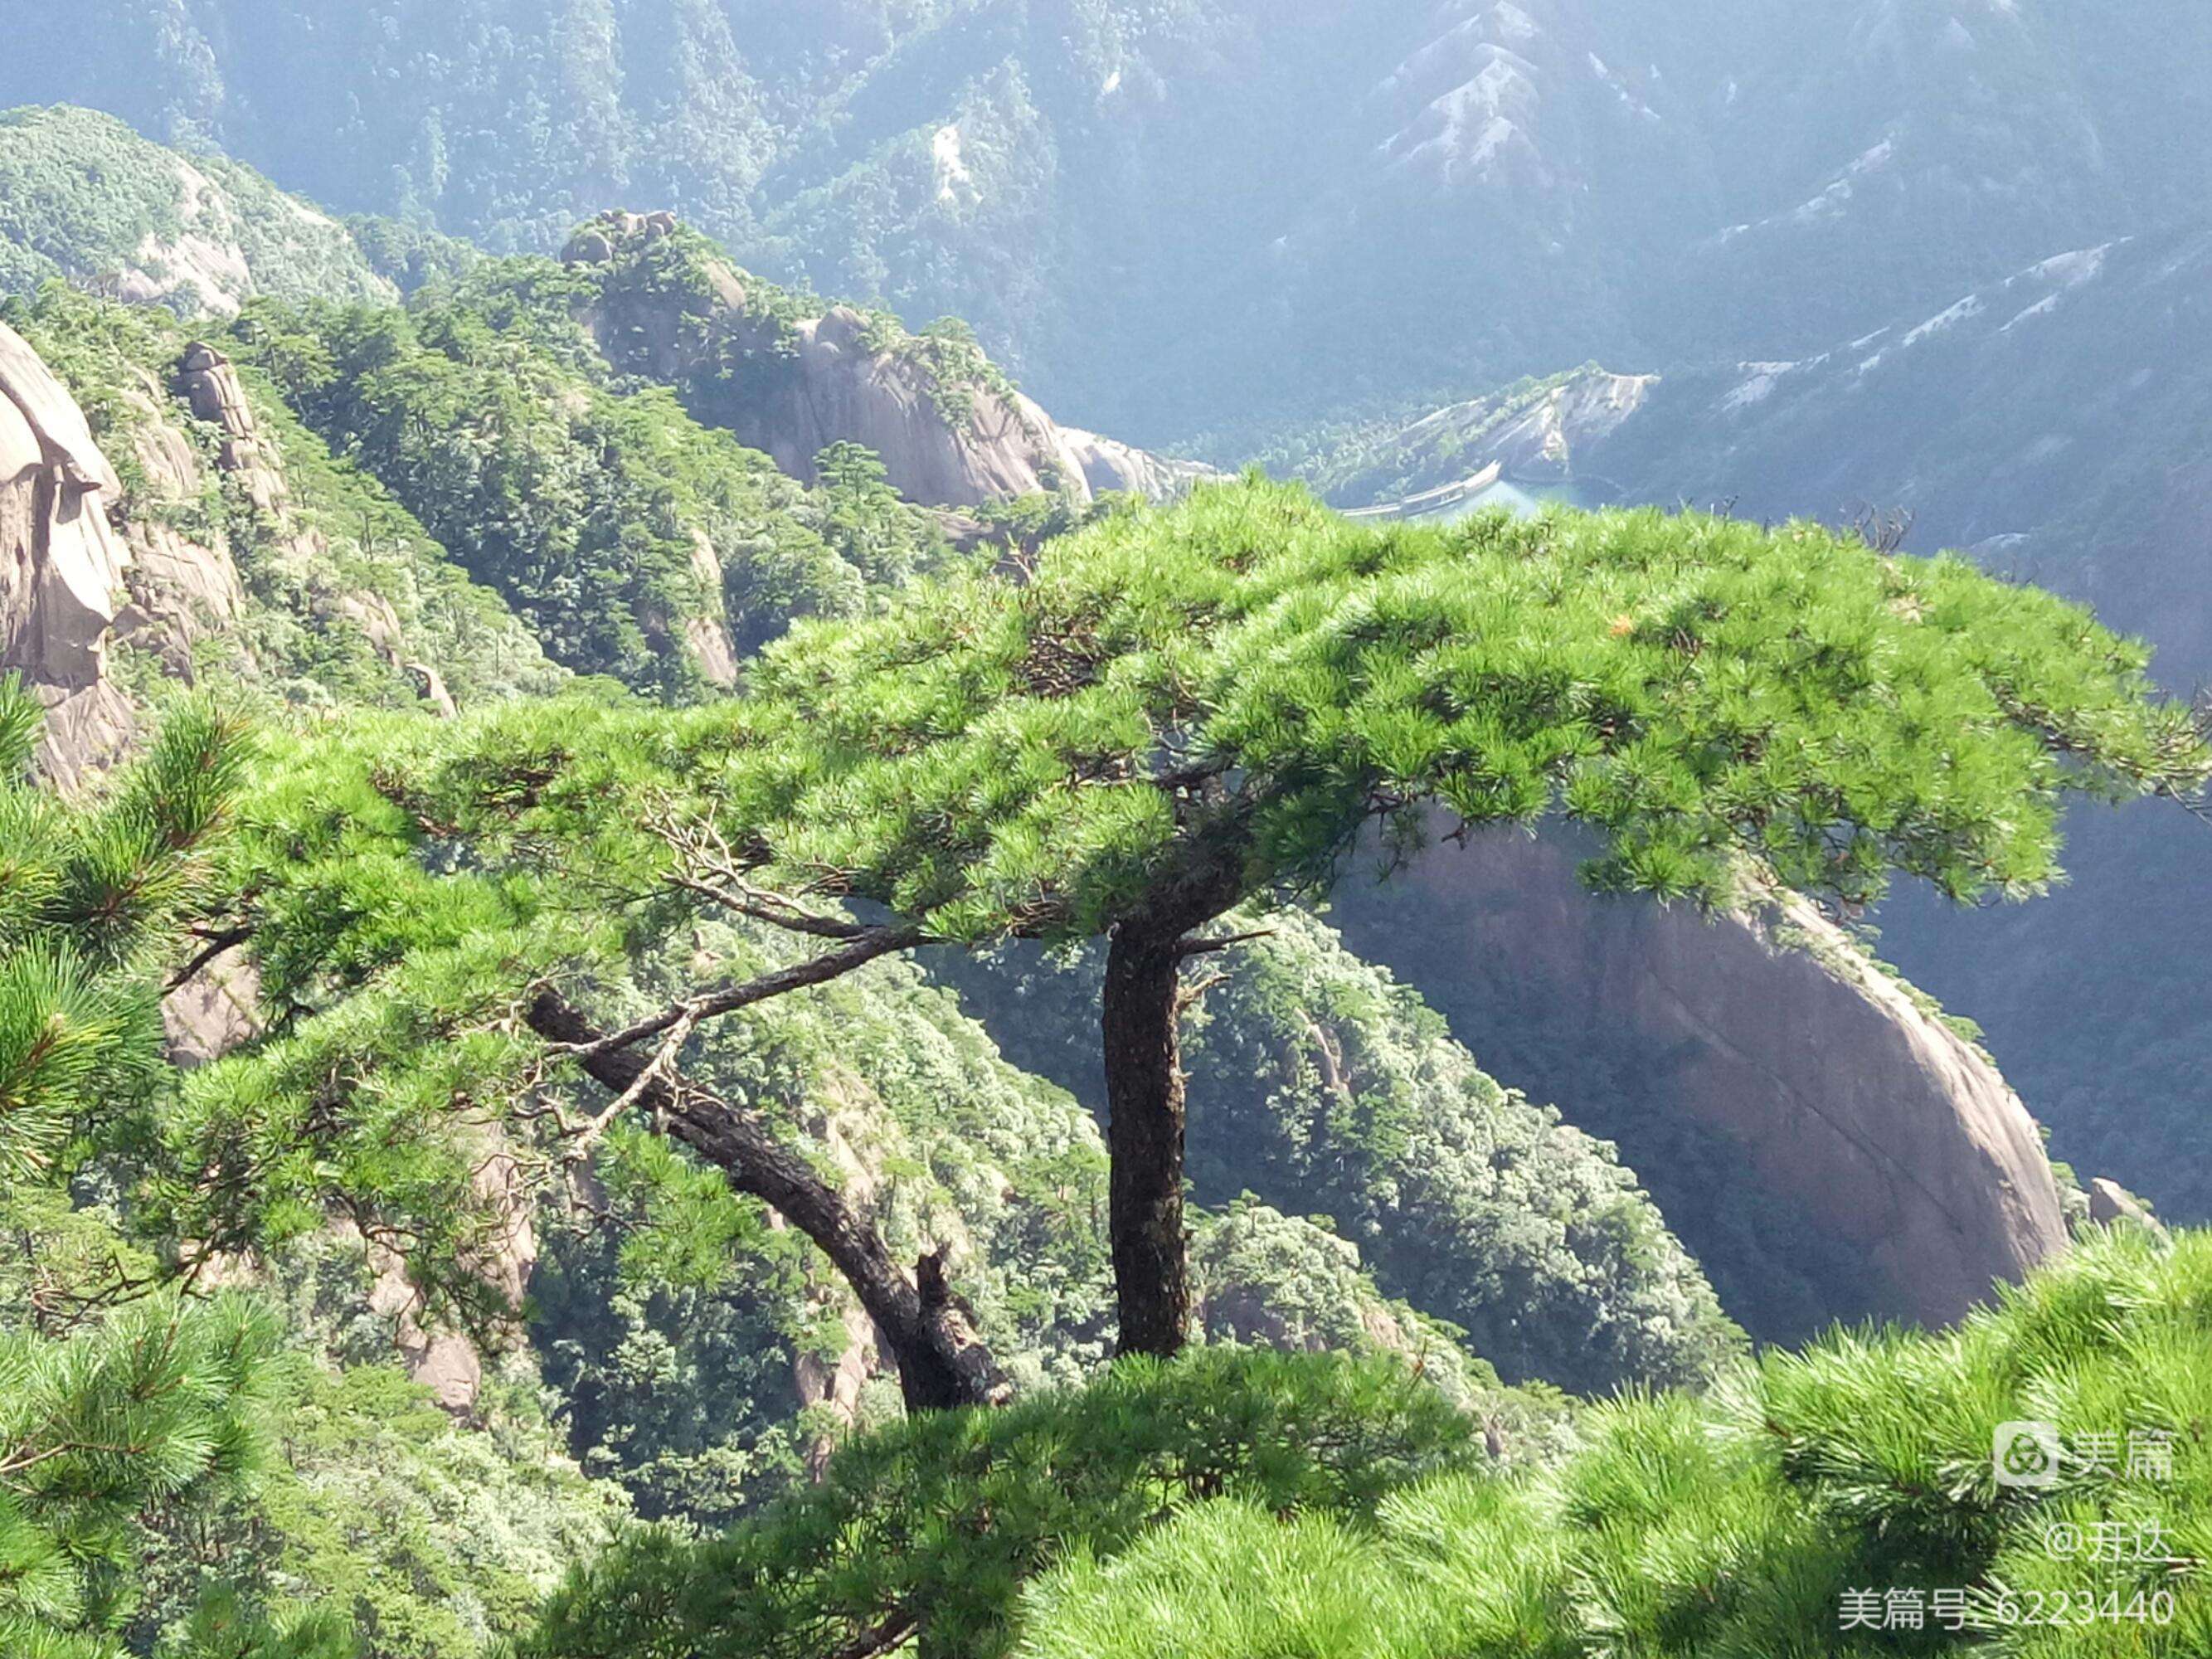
(184, 586)
(951, 431)
(1905, 1177)
(62, 567)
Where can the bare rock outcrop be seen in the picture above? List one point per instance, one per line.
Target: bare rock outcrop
(2111, 1205)
(1109, 465)
(1542, 440)
(185, 587)
(143, 224)
(707, 636)
(1847, 1099)
(791, 387)
(835, 1384)
(214, 1010)
(210, 387)
(62, 567)
(83, 564)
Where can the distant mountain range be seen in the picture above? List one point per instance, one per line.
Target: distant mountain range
(2050, 422)
(1187, 214)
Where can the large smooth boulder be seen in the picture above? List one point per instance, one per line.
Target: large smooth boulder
(1744, 1063)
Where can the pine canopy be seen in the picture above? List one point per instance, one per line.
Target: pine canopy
(1249, 674)
(156, 1406)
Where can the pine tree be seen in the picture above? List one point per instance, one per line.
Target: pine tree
(156, 1405)
(1176, 714)
(91, 897)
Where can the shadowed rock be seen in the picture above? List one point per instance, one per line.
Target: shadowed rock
(1905, 1176)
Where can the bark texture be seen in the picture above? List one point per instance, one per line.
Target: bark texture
(1140, 1017)
(940, 1362)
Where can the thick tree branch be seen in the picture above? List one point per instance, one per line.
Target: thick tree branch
(941, 1364)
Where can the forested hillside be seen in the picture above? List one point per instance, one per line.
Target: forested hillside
(678, 976)
(83, 196)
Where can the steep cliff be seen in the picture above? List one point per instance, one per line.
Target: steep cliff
(93, 568)
(61, 565)
(185, 584)
(1827, 1145)
(790, 380)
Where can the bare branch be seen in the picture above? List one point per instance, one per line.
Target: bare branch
(708, 868)
(659, 1069)
(1883, 529)
(761, 904)
(215, 944)
(864, 948)
(1200, 947)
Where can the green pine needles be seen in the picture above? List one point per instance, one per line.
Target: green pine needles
(1230, 1504)
(91, 901)
(1250, 670)
(994, 758)
(1840, 1503)
(157, 1409)
(932, 1526)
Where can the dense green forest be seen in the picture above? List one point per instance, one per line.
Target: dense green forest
(82, 196)
(617, 1038)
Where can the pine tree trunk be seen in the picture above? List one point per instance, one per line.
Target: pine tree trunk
(1145, 1133)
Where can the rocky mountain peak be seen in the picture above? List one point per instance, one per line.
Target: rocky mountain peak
(61, 564)
(790, 376)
